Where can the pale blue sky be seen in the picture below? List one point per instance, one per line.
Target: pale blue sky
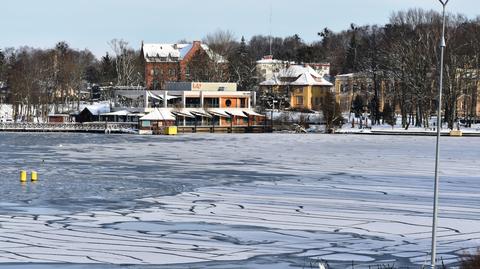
(92, 23)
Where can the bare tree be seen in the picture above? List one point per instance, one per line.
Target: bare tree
(126, 63)
(221, 42)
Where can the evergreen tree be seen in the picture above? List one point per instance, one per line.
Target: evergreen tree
(242, 67)
(107, 70)
(331, 112)
(358, 105)
(389, 115)
(351, 54)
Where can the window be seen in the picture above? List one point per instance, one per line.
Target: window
(211, 102)
(192, 102)
(171, 71)
(146, 123)
(243, 102)
(300, 100)
(228, 103)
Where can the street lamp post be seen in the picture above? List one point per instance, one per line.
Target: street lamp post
(437, 150)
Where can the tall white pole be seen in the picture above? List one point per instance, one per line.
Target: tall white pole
(437, 148)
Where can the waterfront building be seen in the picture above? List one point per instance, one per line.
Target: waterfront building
(268, 67)
(170, 62)
(193, 108)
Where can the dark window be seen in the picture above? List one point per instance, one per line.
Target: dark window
(243, 102)
(228, 103)
(211, 102)
(192, 102)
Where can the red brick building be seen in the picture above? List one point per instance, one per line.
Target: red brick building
(168, 62)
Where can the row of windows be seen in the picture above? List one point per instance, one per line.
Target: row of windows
(156, 71)
(315, 101)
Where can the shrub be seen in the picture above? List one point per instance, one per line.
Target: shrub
(470, 261)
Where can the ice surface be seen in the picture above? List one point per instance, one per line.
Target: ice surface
(227, 201)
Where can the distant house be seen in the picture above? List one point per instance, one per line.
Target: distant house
(6, 113)
(301, 85)
(59, 118)
(169, 62)
(91, 113)
(156, 120)
(268, 67)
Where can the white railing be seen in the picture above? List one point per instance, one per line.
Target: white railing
(70, 127)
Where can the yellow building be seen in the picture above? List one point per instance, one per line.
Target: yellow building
(301, 85)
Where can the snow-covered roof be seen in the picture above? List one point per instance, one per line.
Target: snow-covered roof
(271, 61)
(345, 75)
(117, 113)
(296, 70)
(272, 82)
(303, 75)
(160, 50)
(174, 52)
(159, 114)
(308, 79)
(96, 109)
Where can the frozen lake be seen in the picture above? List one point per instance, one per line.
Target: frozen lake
(234, 200)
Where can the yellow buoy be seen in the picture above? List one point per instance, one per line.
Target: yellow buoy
(23, 176)
(34, 176)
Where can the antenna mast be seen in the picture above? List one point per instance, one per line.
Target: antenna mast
(270, 26)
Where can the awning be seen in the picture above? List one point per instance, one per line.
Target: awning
(160, 97)
(199, 112)
(252, 113)
(218, 112)
(159, 114)
(183, 113)
(238, 112)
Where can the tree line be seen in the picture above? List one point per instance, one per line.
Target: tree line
(399, 61)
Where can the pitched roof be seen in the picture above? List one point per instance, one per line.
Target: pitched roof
(160, 50)
(96, 109)
(159, 114)
(296, 70)
(308, 79)
(173, 52)
(301, 75)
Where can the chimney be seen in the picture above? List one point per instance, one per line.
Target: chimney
(196, 43)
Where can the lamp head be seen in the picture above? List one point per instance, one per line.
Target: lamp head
(444, 2)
